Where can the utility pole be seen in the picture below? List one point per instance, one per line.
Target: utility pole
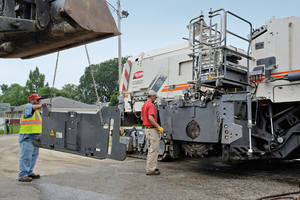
(123, 14)
(119, 46)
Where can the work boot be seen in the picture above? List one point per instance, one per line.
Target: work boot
(34, 176)
(156, 169)
(25, 179)
(153, 173)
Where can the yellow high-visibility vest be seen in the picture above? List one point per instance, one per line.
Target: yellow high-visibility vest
(31, 125)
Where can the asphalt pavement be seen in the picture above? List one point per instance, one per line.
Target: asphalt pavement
(66, 176)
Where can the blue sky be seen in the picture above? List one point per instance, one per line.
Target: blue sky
(150, 25)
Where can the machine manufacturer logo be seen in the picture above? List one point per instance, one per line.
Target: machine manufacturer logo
(138, 75)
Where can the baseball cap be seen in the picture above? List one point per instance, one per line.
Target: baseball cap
(34, 96)
(152, 93)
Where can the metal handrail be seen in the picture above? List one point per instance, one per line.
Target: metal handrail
(215, 42)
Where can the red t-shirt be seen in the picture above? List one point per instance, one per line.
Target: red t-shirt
(148, 109)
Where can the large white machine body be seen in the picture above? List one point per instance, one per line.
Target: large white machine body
(282, 40)
(166, 71)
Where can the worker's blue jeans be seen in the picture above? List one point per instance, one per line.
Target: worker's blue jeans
(28, 157)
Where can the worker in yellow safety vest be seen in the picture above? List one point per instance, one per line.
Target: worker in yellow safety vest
(31, 125)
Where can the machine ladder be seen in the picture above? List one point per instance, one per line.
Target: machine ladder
(216, 63)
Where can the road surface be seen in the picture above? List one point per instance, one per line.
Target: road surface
(71, 177)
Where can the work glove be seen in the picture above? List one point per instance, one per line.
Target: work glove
(160, 129)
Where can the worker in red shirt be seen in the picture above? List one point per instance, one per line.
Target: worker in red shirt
(149, 119)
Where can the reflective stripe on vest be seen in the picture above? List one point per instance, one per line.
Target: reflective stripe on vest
(31, 125)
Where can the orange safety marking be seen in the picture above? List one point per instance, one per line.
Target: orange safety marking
(31, 124)
(279, 75)
(177, 87)
(30, 120)
(187, 85)
(36, 116)
(284, 73)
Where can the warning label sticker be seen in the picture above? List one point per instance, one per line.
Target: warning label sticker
(52, 133)
(59, 134)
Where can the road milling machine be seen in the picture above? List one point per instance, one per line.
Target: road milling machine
(219, 100)
(214, 99)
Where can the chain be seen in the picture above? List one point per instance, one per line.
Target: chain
(50, 108)
(54, 76)
(98, 101)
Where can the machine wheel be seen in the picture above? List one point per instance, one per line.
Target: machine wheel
(196, 149)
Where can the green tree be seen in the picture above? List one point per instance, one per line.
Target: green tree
(36, 81)
(72, 89)
(14, 94)
(45, 92)
(107, 81)
(114, 99)
(4, 88)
